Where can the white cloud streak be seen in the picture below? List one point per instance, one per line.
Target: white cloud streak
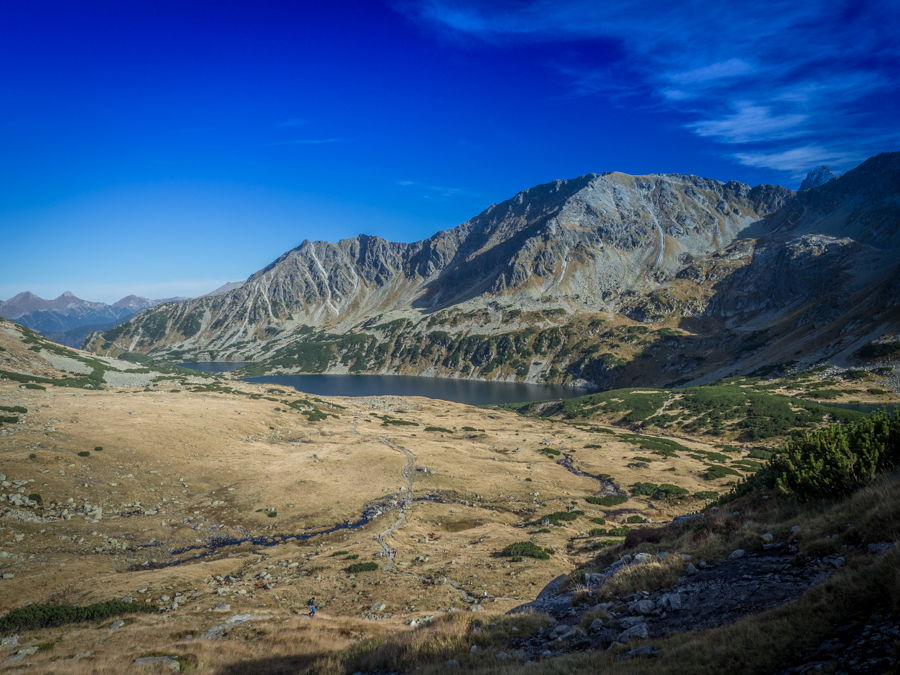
(770, 74)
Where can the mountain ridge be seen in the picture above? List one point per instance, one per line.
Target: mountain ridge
(714, 259)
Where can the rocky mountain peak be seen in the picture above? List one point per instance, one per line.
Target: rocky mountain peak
(818, 176)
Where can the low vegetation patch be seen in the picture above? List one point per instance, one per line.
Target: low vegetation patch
(525, 549)
(613, 500)
(355, 568)
(48, 616)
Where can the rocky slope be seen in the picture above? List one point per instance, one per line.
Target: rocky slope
(573, 281)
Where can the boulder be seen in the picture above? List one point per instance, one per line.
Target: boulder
(596, 625)
(451, 664)
(636, 632)
(671, 602)
(643, 607)
(739, 553)
(169, 662)
(645, 651)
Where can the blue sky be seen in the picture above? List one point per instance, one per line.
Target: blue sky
(164, 148)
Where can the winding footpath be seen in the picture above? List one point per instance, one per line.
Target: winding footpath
(405, 474)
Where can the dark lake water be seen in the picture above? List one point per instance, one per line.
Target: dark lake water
(472, 392)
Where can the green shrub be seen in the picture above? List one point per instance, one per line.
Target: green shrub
(440, 429)
(516, 558)
(596, 532)
(36, 498)
(525, 549)
(654, 491)
(8, 419)
(355, 556)
(619, 531)
(714, 472)
(706, 495)
(13, 409)
(834, 461)
(29, 385)
(634, 519)
(98, 449)
(613, 500)
(272, 514)
(599, 521)
(758, 453)
(84, 453)
(47, 616)
(644, 489)
(362, 567)
(469, 429)
(337, 553)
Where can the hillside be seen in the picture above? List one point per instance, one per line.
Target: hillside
(605, 279)
(215, 508)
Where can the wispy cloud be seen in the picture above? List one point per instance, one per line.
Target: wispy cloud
(756, 74)
(437, 190)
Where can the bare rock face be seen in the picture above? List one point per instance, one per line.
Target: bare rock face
(727, 256)
(818, 176)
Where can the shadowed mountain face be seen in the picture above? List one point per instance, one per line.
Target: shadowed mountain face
(671, 249)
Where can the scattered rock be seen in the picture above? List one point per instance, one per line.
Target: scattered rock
(115, 625)
(739, 553)
(645, 651)
(636, 632)
(451, 664)
(169, 662)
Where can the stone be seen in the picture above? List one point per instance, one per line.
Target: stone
(671, 602)
(739, 553)
(21, 654)
(645, 651)
(643, 607)
(115, 625)
(596, 624)
(546, 654)
(767, 537)
(691, 569)
(128, 599)
(502, 656)
(10, 642)
(795, 528)
(223, 606)
(378, 607)
(642, 557)
(452, 664)
(636, 632)
(168, 661)
(475, 608)
(473, 649)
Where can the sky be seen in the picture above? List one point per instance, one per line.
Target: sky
(165, 148)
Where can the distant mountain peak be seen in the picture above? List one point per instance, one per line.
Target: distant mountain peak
(817, 177)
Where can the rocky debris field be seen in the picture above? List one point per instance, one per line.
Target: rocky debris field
(706, 596)
(867, 648)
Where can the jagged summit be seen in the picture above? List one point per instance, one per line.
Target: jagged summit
(818, 176)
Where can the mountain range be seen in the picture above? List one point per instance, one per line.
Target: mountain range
(54, 318)
(574, 281)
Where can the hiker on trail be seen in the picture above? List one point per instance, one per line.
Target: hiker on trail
(311, 602)
(312, 611)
